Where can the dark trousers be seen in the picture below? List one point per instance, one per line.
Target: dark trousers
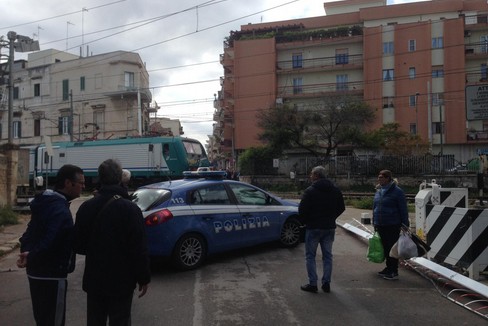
(115, 308)
(389, 236)
(48, 301)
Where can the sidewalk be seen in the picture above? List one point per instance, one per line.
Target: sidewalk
(10, 234)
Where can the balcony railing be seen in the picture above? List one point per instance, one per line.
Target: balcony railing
(341, 61)
(477, 77)
(317, 90)
(476, 49)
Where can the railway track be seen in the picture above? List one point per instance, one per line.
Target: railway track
(347, 195)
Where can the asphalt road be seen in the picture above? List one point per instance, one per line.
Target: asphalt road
(261, 286)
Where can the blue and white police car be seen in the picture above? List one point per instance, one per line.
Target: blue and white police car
(202, 214)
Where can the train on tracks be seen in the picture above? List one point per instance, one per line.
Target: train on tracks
(147, 158)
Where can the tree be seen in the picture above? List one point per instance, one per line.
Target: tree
(257, 160)
(393, 141)
(319, 129)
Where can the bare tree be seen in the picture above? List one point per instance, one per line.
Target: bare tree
(319, 128)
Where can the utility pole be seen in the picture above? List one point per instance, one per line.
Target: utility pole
(71, 114)
(23, 44)
(12, 36)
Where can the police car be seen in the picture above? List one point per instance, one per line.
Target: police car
(202, 214)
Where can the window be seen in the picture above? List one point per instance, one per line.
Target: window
(247, 195)
(388, 74)
(413, 128)
(388, 102)
(17, 129)
(37, 127)
(211, 195)
(342, 56)
(129, 79)
(63, 126)
(411, 45)
(297, 60)
(341, 83)
(16, 92)
(411, 72)
(437, 42)
(388, 48)
(98, 119)
(484, 72)
(37, 89)
(437, 98)
(437, 127)
(297, 86)
(484, 43)
(412, 100)
(438, 72)
(65, 89)
(82, 83)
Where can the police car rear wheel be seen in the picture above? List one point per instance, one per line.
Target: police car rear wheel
(290, 233)
(190, 252)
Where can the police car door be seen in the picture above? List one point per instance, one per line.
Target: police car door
(261, 214)
(217, 217)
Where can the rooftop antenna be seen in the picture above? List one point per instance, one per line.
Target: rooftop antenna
(39, 28)
(67, 27)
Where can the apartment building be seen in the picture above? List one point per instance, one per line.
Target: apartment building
(67, 97)
(422, 65)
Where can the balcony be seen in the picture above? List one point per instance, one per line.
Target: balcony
(476, 50)
(476, 77)
(319, 90)
(325, 63)
(477, 136)
(131, 91)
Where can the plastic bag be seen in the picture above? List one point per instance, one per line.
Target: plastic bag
(394, 251)
(406, 247)
(376, 253)
(422, 247)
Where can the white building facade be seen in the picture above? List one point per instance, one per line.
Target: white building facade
(71, 98)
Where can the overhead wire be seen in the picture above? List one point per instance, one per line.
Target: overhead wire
(195, 82)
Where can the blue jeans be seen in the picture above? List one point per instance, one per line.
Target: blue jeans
(314, 237)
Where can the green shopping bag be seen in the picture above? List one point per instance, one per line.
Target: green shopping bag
(376, 253)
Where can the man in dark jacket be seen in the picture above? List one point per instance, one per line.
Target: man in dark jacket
(321, 205)
(109, 230)
(46, 246)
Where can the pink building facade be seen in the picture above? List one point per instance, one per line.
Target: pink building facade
(414, 63)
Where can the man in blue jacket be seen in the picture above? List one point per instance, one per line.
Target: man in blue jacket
(322, 203)
(46, 246)
(389, 213)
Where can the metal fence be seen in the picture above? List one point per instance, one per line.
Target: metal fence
(369, 165)
(365, 165)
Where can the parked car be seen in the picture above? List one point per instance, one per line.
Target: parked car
(204, 213)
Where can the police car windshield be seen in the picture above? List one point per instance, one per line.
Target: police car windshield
(147, 198)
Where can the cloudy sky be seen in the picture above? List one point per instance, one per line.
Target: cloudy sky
(180, 41)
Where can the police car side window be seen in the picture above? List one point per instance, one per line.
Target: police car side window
(211, 195)
(248, 196)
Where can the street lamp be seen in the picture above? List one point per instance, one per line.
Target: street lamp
(23, 44)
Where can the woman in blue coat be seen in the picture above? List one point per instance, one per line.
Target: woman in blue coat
(389, 213)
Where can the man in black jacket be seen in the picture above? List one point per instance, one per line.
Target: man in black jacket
(321, 205)
(109, 231)
(46, 246)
